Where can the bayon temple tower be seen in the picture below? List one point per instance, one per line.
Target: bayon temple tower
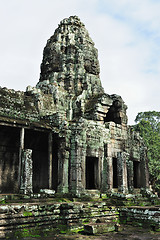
(66, 133)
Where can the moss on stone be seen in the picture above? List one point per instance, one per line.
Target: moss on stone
(27, 214)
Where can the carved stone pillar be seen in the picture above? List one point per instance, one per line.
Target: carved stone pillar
(108, 166)
(78, 160)
(122, 158)
(144, 178)
(26, 172)
(63, 162)
(110, 173)
(77, 173)
(130, 175)
(104, 171)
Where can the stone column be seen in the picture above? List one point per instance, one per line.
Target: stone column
(110, 173)
(78, 160)
(122, 171)
(144, 168)
(63, 161)
(77, 173)
(130, 175)
(21, 147)
(26, 172)
(50, 159)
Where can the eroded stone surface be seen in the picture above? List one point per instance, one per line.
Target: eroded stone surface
(78, 134)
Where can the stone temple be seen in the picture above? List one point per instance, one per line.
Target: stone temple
(66, 133)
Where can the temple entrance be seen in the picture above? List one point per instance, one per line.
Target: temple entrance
(38, 142)
(136, 174)
(92, 173)
(115, 173)
(9, 159)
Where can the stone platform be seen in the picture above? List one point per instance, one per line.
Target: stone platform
(62, 215)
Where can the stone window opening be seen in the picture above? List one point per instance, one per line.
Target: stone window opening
(136, 174)
(115, 173)
(113, 114)
(92, 180)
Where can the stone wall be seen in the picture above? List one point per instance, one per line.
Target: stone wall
(62, 215)
(56, 215)
(147, 217)
(17, 105)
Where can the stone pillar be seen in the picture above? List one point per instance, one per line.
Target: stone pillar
(26, 172)
(110, 173)
(130, 175)
(122, 158)
(50, 159)
(144, 168)
(78, 160)
(100, 170)
(104, 171)
(108, 168)
(77, 173)
(63, 162)
(21, 147)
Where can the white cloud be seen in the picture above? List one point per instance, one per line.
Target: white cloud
(130, 67)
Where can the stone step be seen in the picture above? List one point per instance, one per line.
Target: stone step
(99, 228)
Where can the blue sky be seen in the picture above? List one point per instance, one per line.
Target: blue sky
(126, 34)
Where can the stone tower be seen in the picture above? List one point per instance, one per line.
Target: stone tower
(69, 135)
(70, 69)
(71, 60)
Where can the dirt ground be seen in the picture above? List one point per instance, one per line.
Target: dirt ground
(130, 233)
(110, 236)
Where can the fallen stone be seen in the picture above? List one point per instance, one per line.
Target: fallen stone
(92, 229)
(48, 192)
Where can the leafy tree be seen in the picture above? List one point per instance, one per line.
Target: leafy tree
(152, 116)
(148, 125)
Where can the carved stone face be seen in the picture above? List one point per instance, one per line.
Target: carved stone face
(70, 51)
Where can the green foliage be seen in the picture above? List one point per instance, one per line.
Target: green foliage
(152, 117)
(27, 214)
(25, 233)
(148, 125)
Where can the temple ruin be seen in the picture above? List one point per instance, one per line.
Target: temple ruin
(66, 133)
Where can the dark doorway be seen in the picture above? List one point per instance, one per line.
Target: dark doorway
(91, 173)
(55, 162)
(136, 174)
(115, 173)
(113, 114)
(38, 142)
(9, 159)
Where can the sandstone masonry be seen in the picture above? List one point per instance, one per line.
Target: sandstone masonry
(66, 134)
